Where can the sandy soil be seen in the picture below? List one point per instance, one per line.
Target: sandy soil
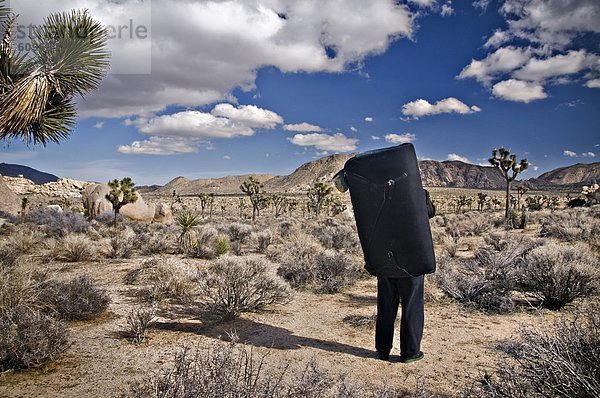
(458, 344)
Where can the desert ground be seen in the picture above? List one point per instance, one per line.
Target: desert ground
(325, 320)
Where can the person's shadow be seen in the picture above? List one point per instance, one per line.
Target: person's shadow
(260, 335)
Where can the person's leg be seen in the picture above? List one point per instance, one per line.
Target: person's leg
(387, 310)
(412, 319)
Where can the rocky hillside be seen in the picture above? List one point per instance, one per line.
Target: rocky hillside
(63, 187)
(580, 173)
(459, 175)
(318, 170)
(16, 170)
(224, 185)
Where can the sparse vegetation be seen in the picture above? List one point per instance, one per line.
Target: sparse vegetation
(139, 320)
(78, 299)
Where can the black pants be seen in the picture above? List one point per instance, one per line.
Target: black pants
(389, 293)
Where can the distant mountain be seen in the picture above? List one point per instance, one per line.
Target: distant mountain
(223, 185)
(322, 169)
(459, 175)
(15, 170)
(577, 174)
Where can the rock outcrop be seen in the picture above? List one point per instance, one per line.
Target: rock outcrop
(9, 201)
(63, 187)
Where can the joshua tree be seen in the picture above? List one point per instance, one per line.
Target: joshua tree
(317, 194)
(253, 188)
(482, 199)
(204, 198)
(121, 193)
(510, 168)
(68, 59)
(280, 203)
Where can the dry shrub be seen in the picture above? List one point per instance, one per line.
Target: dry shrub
(9, 255)
(333, 271)
(139, 320)
(234, 371)
(333, 235)
(74, 248)
(286, 228)
(166, 280)
(558, 361)
(155, 238)
(263, 240)
(242, 284)
(572, 225)
(558, 274)
(239, 232)
(361, 321)
(497, 240)
(206, 239)
(122, 243)
(467, 224)
(56, 223)
(78, 299)
(30, 338)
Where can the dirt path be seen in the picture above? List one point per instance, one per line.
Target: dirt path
(458, 344)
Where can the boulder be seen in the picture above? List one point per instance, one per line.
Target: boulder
(9, 201)
(163, 214)
(138, 210)
(94, 199)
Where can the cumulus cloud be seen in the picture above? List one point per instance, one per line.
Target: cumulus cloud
(200, 52)
(353, 129)
(424, 3)
(368, 119)
(505, 59)
(249, 115)
(519, 91)
(497, 39)
(570, 154)
(422, 107)
(400, 138)
(325, 142)
(594, 83)
(481, 4)
(588, 155)
(375, 137)
(159, 146)
(302, 127)
(226, 157)
(455, 157)
(98, 125)
(447, 9)
(559, 65)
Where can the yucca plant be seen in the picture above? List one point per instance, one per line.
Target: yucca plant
(186, 220)
(121, 193)
(68, 58)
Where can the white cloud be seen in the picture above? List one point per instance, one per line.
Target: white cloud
(519, 91)
(98, 125)
(535, 168)
(481, 4)
(447, 9)
(570, 154)
(551, 23)
(594, 83)
(353, 129)
(424, 3)
(325, 142)
(375, 137)
(542, 69)
(422, 107)
(368, 119)
(227, 157)
(400, 138)
(202, 50)
(497, 39)
(249, 115)
(159, 146)
(455, 157)
(503, 60)
(302, 127)
(588, 154)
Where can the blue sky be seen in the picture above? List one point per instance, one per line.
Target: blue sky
(232, 87)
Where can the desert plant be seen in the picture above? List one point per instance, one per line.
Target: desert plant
(167, 280)
(69, 57)
(334, 271)
(30, 339)
(572, 225)
(263, 240)
(234, 285)
(187, 219)
(317, 194)
(57, 223)
(139, 320)
(205, 243)
(334, 235)
(559, 360)
(122, 243)
(75, 248)
(239, 232)
(510, 168)
(558, 274)
(121, 193)
(78, 299)
(254, 190)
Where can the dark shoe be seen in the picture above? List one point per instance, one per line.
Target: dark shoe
(414, 358)
(383, 355)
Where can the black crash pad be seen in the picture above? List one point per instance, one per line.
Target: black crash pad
(391, 212)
